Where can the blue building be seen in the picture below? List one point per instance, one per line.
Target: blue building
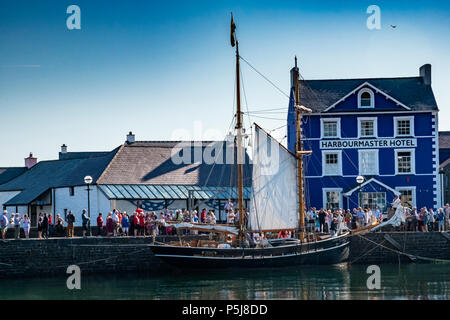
(384, 129)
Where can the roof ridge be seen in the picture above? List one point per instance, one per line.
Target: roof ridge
(353, 79)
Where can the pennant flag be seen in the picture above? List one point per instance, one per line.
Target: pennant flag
(233, 32)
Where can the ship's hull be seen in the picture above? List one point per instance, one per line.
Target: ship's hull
(325, 252)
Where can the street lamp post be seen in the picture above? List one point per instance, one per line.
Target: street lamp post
(360, 180)
(88, 180)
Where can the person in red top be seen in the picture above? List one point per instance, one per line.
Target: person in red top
(203, 216)
(136, 223)
(142, 224)
(99, 224)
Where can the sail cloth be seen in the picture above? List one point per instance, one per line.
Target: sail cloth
(274, 203)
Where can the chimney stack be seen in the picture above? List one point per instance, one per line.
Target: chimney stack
(63, 149)
(130, 138)
(30, 161)
(293, 70)
(425, 73)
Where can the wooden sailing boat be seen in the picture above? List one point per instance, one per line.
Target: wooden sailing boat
(277, 204)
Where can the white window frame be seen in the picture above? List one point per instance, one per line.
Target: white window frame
(339, 171)
(413, 189)
(338, 127)
(376, 172)
(375, 126)
(413, 161)
(411, 126)
(372, 98)
(324, 196)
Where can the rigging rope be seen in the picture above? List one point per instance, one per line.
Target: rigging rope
(258, 72)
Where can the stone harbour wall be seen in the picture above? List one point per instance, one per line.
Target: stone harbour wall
(51, 257)
(33, 257)
(381, 247)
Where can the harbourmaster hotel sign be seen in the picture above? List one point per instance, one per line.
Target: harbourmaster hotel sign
(368, 143)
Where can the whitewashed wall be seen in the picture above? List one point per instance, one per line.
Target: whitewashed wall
(20, 209)
(79, 201)
(125, 205)
(5, 196)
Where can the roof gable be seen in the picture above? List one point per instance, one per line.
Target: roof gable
(372, 180)
(53, 174)
(410, 91)
(151, 163)
(379, 103)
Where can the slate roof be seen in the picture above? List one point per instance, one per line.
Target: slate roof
(411, 91)
(150, 162)
(52, 174)
(444, 139)
(7, 174)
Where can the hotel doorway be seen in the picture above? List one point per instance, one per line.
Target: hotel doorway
(372, 200)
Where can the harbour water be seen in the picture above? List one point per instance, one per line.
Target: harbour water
(343, 282)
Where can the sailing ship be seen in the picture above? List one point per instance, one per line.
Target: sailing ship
(277, 204)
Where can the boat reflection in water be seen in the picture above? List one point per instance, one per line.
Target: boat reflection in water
(339, 282)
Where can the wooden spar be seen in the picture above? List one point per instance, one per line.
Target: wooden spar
(299, 150)
(240, 161)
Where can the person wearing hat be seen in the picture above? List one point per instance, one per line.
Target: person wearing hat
(4, 224)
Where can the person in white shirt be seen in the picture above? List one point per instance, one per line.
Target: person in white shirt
(26, 225)
(116, 222)
(230, 217)
(228, 206)
(4, 223)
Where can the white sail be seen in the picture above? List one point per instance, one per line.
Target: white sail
(274, 203)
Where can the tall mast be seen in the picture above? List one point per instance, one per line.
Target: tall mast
(240, 150)
(299, 152)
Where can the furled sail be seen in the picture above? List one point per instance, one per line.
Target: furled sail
(274, 203)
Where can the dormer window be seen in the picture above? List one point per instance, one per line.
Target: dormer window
(366, 98)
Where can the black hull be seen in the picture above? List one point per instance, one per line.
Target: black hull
(325, 252)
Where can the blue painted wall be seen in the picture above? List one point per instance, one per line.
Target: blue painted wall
(425, 167)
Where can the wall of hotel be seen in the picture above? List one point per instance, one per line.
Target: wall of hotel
(425, 179)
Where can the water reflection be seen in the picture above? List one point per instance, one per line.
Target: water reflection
(343, 282)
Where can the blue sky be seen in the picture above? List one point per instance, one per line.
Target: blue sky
(155, 67)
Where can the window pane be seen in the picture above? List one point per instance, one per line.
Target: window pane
(365, 100)
(404, 162)
(330, 129)
(406, 197)
(368, 162)
(367, 128)
(332, 200)
(372, 200)
(331, 166)
(403, 127)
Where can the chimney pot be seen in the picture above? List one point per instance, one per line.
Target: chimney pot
(130, 138)
(425, 73)
(30, 161)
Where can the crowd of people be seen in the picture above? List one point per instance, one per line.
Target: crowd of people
(329, 221)
(140, 223)
(115, 223)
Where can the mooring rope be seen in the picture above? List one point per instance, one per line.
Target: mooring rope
(411, 256)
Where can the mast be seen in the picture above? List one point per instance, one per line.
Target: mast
(299, 151)
(240, 151)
